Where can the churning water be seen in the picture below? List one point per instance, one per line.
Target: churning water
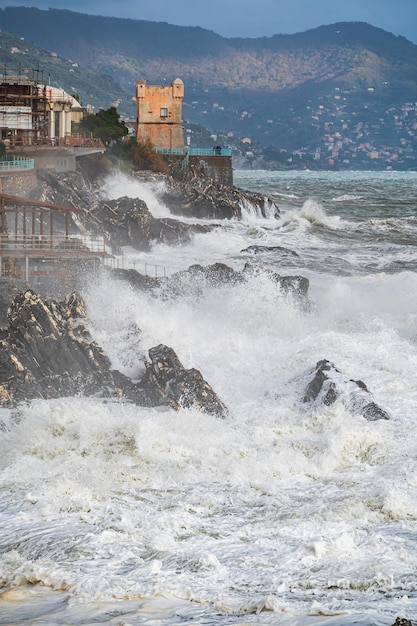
(279, 514)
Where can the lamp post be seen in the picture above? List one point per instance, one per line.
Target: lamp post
(52, 123)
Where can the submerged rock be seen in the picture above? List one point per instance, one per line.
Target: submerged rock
(47, 352)
(277, 250)
(197, 278)
(329, 384)
(401, 621)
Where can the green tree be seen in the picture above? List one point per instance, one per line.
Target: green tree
(105, 125)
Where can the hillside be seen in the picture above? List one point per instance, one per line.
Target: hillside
(16, 53)
(347, 92)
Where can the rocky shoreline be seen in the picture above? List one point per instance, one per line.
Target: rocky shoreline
(46, 350)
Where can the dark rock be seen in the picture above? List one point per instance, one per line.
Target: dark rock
(201, 197)
(329, 384)
(172, 384)
(197, 278)
(128, 222)
(47, 352)
(278, 250)
(136, 280)
(294, 286)
(401, 621)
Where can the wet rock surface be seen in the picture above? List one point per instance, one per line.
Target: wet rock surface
(401, 621)
(198, 278)
(128, 221)
(275, 250)
(47, 352)
(328, 384)
(198, 196)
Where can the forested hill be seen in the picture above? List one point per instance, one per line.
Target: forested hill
(347, 90)
(16, 53)
(128, 49)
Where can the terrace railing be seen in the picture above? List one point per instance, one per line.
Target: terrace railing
(216, 151)
(16, 164)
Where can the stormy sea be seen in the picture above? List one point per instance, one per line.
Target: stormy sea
(283, 513)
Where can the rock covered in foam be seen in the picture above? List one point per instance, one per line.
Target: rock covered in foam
(328, 384)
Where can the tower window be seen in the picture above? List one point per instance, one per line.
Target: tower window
(164, 112)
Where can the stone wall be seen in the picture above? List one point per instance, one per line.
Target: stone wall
(19, 183)
(218, 168)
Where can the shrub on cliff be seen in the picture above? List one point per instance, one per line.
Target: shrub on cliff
(144, 157)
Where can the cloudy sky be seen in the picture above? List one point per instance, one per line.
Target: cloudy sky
(250, 18)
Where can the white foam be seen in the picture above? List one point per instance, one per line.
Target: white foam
(279, 513)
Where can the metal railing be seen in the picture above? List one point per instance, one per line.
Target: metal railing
(216, 151)
(208, 152)
(178, 151)
(14, 164)
(59, 243)
(146, 269)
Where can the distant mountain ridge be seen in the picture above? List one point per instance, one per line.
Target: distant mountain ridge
(309, 92)
(128, 49)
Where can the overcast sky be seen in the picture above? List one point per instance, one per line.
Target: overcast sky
(250, 18)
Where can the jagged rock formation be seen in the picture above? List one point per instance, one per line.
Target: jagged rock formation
(47, 352)
(176, 386)
(276, 250)
(328, 384)
(402, 621)
(197, 278)
(199, 196)
(128, 222)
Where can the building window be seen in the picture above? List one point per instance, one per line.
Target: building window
(164, 112)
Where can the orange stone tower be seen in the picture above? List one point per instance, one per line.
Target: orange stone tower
(159, 114)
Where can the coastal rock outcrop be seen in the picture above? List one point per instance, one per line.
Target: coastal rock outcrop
(47, 352)
(402, 621)
(172, 384)
(128, 222)
(201, 197)
(198, 278)
(328, 384)
(278, 251)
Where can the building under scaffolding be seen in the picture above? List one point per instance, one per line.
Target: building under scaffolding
(23, 107)
(40, 247)
(41, 122)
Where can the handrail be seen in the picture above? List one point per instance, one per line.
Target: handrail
(208, 152)
(58, 242)
(216, 151)
(17, 163)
